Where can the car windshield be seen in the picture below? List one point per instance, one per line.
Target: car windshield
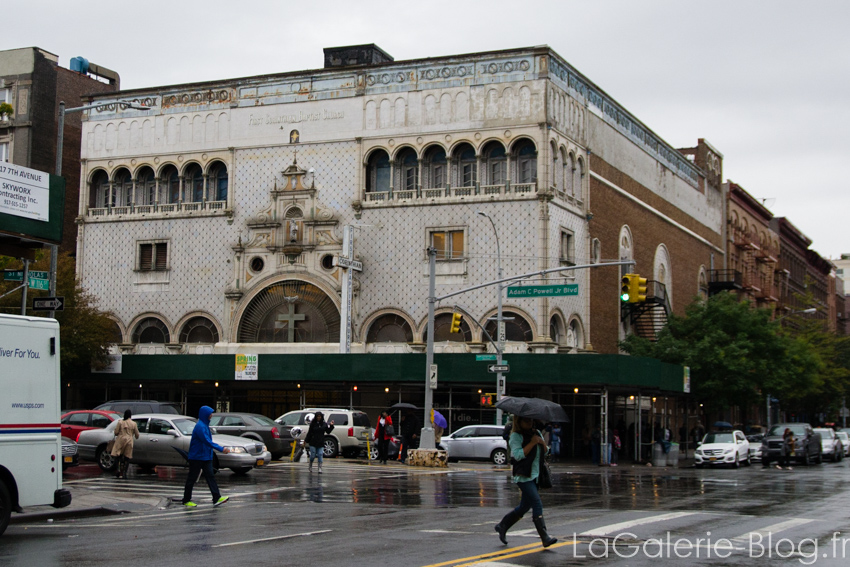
(719, 438)
(780, 429)
(185, 425)
(263, 420)
(826, 433)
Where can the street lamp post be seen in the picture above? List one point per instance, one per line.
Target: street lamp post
(500, 323)
(60, 134)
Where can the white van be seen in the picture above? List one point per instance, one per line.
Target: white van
(30, 446)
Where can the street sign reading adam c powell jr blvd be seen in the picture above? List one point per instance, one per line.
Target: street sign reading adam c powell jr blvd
(542, 290)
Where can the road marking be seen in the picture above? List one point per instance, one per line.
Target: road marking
(604, 531)
(496, 556)
(271, 538)
(769, 530)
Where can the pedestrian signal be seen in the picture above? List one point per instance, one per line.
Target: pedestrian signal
(456, 319)
(487, 400)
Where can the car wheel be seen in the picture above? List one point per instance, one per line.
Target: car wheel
(331, 447)
(748, 462)
(737, 462)
(5, 507)
(241, 472)
(105, 460)
(499, 457)
(373, 452)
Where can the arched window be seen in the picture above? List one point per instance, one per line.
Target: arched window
(435, 168)
(575, 334)
(702, 283)
(171, 185)
(569, 172)
(99, 190)
(578, 181)
(465, 166)
(150, 330)
(496, 163)
(525, 156)
(389, 328)
(407, 170)
(554, 177)
(218, 182)
(556, 329)
(378, 172)
(199, 330)
(516, 330)
(194, 183)
(145, 187)
(122, 195)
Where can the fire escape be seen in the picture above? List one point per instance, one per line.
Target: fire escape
(649, 317)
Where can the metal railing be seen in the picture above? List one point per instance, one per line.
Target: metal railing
(130, 210)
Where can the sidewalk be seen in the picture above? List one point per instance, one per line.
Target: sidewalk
(90, 504)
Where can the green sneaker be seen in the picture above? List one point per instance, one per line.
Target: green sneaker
(221, 500)
(190, 505)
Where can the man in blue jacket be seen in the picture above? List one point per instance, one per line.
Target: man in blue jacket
(201, 459)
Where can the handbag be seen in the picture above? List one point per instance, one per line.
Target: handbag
(544, 475)
(389, 430)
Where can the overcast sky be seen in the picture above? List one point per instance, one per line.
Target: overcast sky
(765, 82)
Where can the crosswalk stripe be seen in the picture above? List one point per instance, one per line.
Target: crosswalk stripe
(775, 528)
(603, 531)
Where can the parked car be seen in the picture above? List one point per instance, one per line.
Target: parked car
(393, 449)
(830, 444)
(162, 437)
(77, 421)
(482, 442)
(755, 447)
(70, 458)
(845, 441)
(140, 406)
(253, 426)
(723, 448)
(807, 447)
(349, 436)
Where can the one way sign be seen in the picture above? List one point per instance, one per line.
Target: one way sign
(48, 304)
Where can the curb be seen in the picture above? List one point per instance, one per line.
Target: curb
(92, 511)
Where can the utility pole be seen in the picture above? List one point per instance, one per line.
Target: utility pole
(426, 438)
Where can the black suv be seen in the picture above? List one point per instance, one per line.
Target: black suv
(807, 445)
(140, 406)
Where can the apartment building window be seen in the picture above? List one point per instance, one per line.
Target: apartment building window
(218, 182)
(449, 244)
(152, 256)
(408, 165)
(378, 172)
(435, 167)
(497, 163)
(146, 186)
(4, 151)
(194, 180)
(467, 166)
(123, 189)
(171, 183)
(568, 252)
(526, 156)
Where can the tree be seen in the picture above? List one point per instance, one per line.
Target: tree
(734, 351)
(85, 332)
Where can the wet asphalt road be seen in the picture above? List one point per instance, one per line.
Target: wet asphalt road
(356, 514)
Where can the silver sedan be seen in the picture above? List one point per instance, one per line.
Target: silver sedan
(483, 442)
(164, 440)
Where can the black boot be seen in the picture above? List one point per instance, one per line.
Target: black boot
(502, 527)
(540, 524)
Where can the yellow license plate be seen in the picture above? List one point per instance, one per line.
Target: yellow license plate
(68, 459)
(712, 459)
(260, 462)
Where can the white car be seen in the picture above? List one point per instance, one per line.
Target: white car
(830, 444)
(845, 441)
(723, 448)
(477, 442)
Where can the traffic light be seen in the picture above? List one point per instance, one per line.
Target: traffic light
(456, 319)
(638, 290)
(487, 400)
(626, 288)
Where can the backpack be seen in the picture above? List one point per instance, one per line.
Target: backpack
(617, 444)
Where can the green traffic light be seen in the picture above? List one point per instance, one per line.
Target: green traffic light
(624, 297)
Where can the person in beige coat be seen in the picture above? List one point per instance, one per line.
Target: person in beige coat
(126, 432)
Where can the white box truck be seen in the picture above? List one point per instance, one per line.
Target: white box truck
(30, 443)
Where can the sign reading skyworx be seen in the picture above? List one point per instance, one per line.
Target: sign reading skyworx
(542, 290)
(24, 192)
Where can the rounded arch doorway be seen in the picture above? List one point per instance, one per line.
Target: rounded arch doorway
(290, 311)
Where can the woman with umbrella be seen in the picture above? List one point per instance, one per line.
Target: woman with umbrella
(527, 449)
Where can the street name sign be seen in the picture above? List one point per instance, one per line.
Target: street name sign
(48, 304)
(494, 368)
(480, 357)
(344, 262)
(37, 280)
(543, 290)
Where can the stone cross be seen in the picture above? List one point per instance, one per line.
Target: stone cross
(290, 319)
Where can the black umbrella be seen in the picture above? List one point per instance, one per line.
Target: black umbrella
(722, 425)
(402, 405)
(534, 408)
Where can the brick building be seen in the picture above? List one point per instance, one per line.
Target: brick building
(32, 81)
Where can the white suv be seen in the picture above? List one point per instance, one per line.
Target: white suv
(349, 436)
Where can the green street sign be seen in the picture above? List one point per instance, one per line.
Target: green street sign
(479, 357)
(543, 290)
(38, 280)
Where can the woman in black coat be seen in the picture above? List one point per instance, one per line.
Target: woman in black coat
(315, 439)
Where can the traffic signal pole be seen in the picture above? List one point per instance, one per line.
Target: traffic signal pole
(427, 436)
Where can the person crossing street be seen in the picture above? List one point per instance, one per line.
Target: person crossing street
(201, 459)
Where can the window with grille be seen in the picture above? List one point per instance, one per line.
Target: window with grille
(153, 256)
(449, 244)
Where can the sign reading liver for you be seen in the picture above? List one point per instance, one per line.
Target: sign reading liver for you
(24, 192)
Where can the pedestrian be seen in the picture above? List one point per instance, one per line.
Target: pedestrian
(201, 459)
(527, 449)
(383, 434)
(126, 431)
(315, 438)
(555, 442)
(787, 449)
(410, 429)
(616, 445)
